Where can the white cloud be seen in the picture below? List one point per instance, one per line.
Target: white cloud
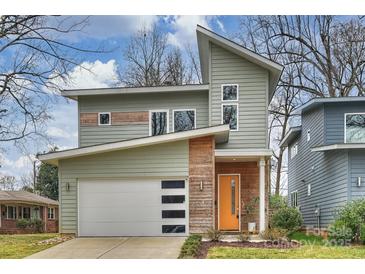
(220, 25)
(57, 133)
(93, 75)
(184, 28)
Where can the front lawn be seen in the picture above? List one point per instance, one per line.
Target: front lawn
(312, 247)
(20, 246)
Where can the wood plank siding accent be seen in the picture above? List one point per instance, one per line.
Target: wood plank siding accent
(250, 189)
(118, 118)
(201, 169)
(88, 119)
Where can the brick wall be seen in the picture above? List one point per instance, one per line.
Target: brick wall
(201, 169)
(249, 175)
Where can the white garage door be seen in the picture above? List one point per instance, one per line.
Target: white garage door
(132, 207)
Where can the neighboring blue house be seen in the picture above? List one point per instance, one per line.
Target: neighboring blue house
(326, 157)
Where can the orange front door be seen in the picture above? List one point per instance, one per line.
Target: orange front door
(228, 202)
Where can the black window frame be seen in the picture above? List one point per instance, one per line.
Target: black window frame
(170, 229)
(172, 184)
(173, 214)
(173, 199)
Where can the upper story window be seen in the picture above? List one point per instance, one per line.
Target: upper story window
(184, 119)
(104, 118)
(308, 135)
(230, 115)
(230, 92)
(294, 199)
(293, 150)
(159, 122)
(355, 128)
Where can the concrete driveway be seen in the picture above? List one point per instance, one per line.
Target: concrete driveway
(114, 248)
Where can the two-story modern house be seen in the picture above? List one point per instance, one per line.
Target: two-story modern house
(172, 160)
(326, 157)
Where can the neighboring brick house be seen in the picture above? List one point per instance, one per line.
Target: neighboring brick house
(16, 205)
(172, 160)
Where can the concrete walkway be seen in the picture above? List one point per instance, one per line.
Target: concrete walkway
(114, 248)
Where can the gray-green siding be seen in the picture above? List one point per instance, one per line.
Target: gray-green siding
(91, 135)
(228, 68)
(169, 160)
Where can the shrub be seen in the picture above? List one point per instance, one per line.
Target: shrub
(288, 218)
(190, 247)
(22, 223)
(274, 234)
(214, 235)
(339, 233)
(37, 224)
(352, 216)
(362, 233)
(243, 237)
(277, 202)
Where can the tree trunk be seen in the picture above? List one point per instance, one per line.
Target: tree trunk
(280, 158)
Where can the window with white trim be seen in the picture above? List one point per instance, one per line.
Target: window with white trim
(293, 150)
(159, 122)
(294, 199)
(354, 128)
(309, 189)
(308, 135)
(26, 212)
(230, 115)
(51, 213)
(184, 119)
(11, 212)
(104, 118)
(230, 92)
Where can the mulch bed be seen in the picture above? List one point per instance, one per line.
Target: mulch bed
(204, 246)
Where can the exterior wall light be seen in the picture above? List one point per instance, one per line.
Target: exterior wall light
(67, 187)
(359, 181)
(201, 186)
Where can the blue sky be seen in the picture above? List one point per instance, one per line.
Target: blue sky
(113, 32)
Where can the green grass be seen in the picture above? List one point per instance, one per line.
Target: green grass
(303, 252)
(190, 247)
(313, 247)
(20, 246)
(306, 239)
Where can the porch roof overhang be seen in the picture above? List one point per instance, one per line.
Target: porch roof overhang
(337, 147)
(221, 134)
(242, 154)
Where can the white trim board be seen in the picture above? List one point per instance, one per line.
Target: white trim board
(220, 132)
(242, 152)
(337, 147)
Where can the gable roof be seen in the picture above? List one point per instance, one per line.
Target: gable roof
(316, 102)
(25, 197)
(206, 36)
(220, 132)
(74, 93)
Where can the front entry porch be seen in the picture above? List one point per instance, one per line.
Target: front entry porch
(241, 194)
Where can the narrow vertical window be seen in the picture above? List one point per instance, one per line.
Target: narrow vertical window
(159, 122)
(308, 135)
(230, 115)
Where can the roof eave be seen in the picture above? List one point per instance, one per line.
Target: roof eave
(221, 134)
(290, 136)
(337, 147)
(204, 36)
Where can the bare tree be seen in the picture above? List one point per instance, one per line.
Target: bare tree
(38, 59)
(322, 55)
(151, 61)
(7, 183)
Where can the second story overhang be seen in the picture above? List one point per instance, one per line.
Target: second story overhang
(338, 147)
